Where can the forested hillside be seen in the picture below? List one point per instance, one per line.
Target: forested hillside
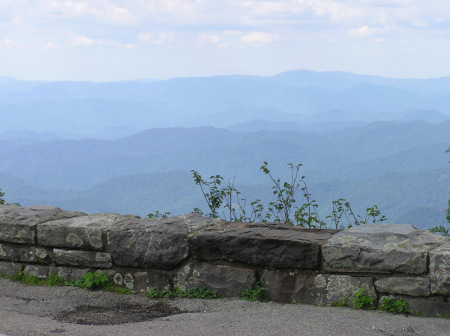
(400, 166)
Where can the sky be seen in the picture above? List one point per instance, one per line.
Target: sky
(108, 40)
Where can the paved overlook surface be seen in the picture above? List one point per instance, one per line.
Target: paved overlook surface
(33, 310)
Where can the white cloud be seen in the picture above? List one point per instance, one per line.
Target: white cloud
(50, 46)
(259, 38)
(157, 38)
(214, 39)
(82, 41)
(366, 31)
(10, 44)
(101, 10)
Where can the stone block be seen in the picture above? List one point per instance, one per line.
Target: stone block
(140, 281)
(440, 270)
(82, 258)
(69, 273)
(9, 268)
(18, 224)
(227, 281)
(381, 248)
(37, 270)
(86, 232)
(29, 254)
(262, 244)
(413, 286)
(195, 222)
(428, 306)
(148, 243)
(291, 286)
(332, 289)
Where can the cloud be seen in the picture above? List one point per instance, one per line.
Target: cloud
(213, 39)
(50, 46)
(82, 41)
(259, 38)
(99, 10)
(157, 38)
(366, 31)
(10, 44)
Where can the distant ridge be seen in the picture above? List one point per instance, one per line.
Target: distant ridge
(99, 110)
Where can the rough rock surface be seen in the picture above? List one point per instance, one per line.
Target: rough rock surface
(86, 232)
(141, 281)
(440, 270)
(426, 306)
(228, 281)
(69, 273)
(381, 248)
(82, 258)
(37, 270)
(291, 286)
(18, 224)
(31, 254)
(413, 286)
(261, 244)
(148, 243)
(9, 268)
(342, 288)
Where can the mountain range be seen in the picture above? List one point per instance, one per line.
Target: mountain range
(129, 147)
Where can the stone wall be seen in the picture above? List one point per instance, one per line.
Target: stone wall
(298, 265)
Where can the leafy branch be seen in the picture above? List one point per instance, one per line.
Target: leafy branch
(235, 207)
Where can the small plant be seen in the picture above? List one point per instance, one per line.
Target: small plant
(361, 301)
(192, 293)
(27, 278)
(234, 207)
(201, 293)
(391, 305)
(2, 201)
(96, 280)
(158, 214)
(257, 293)
(55, 280)
(446, 316)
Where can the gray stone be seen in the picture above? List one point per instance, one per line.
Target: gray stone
(291, 286)
(413, 286)
(148, 243)
(440, 270)
(36, 270)
(140, 281)
(227, 281)
(429, 306)
(82, 258)
(31, 254)
(197, 223)
(341, 289)
(18, 224)
(86, 232)
(262, 244)
(69, 273)
(381, 248)
(9, 268)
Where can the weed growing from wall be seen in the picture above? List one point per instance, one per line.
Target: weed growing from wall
(256, 293)
(391, 305)
(283, 209)
(361, 301)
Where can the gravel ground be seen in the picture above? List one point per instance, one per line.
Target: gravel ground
(34, 310)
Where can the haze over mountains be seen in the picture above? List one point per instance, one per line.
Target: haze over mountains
(114, 109)
(128, 147)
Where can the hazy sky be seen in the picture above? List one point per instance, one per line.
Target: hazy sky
(125, 39)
